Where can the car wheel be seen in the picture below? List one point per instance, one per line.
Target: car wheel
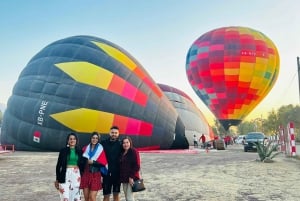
(245, 150)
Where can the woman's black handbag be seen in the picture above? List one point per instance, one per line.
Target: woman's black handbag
(138, 185)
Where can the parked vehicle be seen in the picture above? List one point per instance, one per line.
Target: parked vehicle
(239, 139)
(251, 139)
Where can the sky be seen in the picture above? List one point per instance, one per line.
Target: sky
(158, 33)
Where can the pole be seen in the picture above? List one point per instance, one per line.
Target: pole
(282, 139)
(298, 64)
(292, 139)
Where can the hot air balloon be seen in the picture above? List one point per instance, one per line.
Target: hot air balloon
(83, 84)
(193, 119)
(232, 69)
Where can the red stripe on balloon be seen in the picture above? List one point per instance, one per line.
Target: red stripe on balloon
(133, 126)
(127, 90)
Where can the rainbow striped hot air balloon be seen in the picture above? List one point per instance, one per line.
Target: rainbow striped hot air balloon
(232, 69)
(84, 84)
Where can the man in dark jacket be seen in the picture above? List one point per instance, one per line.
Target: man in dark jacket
(111, 181)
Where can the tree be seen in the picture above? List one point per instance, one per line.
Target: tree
(272, 123)
(218, 128)
(245, 127)
(289, 113)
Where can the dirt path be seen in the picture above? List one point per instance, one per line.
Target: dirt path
(216, 175)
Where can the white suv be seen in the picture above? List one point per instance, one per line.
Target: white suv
(239, 139)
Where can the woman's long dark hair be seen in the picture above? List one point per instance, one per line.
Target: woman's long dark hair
(77, 148)
(93, 134)
(72, 134)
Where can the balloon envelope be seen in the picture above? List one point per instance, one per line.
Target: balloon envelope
(193, 119)
(84, 84)
(232, 69)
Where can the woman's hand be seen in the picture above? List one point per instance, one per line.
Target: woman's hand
(56, 185)
(131, 181)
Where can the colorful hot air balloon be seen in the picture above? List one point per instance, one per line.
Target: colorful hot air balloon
(232, 69)
(193, 119)
(84, 84)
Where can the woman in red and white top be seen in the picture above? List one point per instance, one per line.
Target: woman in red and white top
(95, 164)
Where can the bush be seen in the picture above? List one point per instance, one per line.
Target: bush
(297, 138)
(266, 151)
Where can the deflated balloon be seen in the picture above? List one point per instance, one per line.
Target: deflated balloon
(84, 84)
(232, 69)
(193, 119)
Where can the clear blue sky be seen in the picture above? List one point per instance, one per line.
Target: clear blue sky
(158, 33)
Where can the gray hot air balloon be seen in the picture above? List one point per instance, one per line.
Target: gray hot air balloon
(83, 84)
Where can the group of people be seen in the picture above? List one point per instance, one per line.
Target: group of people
(202, 139)
(99, 165)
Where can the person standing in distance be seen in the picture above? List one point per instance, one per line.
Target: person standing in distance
(69, 169)
(112, 148)
(202, 139)
(195, 141)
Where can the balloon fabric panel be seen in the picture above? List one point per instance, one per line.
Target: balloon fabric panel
(82, 71)
(115, 53)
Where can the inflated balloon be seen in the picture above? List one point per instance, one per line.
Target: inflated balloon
(83, 84)
(193, 119)
(232, 69)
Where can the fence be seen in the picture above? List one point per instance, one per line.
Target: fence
(7, 147)
(287, 139)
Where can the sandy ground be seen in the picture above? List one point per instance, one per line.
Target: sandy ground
(223, 175)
